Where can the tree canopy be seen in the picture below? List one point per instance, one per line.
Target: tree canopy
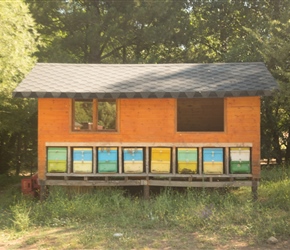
(17, 116)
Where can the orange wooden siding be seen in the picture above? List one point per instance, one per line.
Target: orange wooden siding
(150, 120)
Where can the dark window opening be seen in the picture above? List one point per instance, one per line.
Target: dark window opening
(200, 114)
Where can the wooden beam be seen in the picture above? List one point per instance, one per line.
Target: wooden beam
(227, 160)
(92, 183)
(148, 144)
(173, 158)
(199, 160)
(95, 163)
(69, 162)
(152, 175)
(147, 159)
(200, 184)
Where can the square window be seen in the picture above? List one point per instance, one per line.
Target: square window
(94, 115)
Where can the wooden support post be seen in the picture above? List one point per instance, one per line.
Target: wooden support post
(173, 160)
(147, 159)
(200, 171)
(42, 191)
(146, 189)
(120, 158)
(255, 189)
(227, 160)
(146, 192)
(95, 160)
(69, 163)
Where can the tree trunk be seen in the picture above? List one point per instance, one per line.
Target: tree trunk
(287, 153)
(18, 154)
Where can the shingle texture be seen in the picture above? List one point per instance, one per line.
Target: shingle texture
(85, 81)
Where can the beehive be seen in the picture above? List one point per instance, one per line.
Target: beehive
(240, 160)
(82, 160)
(160, 160)
(187, 160)
(107, 160)
(56, 159)
(133, 160)
(213, 160)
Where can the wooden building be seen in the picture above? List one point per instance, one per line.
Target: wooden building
(183, 125)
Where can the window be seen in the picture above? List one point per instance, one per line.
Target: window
(94, 115)
(202, 114)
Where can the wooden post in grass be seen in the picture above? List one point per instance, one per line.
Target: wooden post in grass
(42, 191)
(255, 189)
(146, 189)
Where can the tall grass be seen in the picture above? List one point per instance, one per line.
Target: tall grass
(227, 214)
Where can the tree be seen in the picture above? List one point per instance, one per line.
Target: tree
(276, 52)
(17, 116)
(110, 31)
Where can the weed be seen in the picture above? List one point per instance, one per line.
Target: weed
(21, 215)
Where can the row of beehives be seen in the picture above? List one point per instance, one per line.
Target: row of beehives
(160, 160)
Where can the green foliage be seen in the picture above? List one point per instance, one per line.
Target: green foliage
(17, 116)
(17, 43)
(107, 113)
(274, 47)
(83, 111)
(110, 31)
(21, 215)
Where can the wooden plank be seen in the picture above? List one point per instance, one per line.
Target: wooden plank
(148, 144)
(173, 163)
(95, 163)
(227, 160)
(200, 160)
(92, 183)
(69, 162)
(149, 183)
(120, 159)
(147, 160)
(152, 175)
(200, 184)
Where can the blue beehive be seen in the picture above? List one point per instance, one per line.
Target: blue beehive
(82, 160)
(213, 160)
(133, 160)
(107, 160)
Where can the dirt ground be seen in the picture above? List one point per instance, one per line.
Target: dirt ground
(63, 238)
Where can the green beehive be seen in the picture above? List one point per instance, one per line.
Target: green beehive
(187, 160)
(240, 161)
(56, 160)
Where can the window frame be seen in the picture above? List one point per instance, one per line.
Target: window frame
(94, 115)
(203, 131)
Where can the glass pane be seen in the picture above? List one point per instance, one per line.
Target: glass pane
(106, 115)
(83, 111)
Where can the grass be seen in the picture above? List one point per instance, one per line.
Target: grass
(171, 219)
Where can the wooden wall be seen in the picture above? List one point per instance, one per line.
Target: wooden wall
(150, 120)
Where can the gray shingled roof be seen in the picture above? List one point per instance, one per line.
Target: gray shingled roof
(52, 80)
